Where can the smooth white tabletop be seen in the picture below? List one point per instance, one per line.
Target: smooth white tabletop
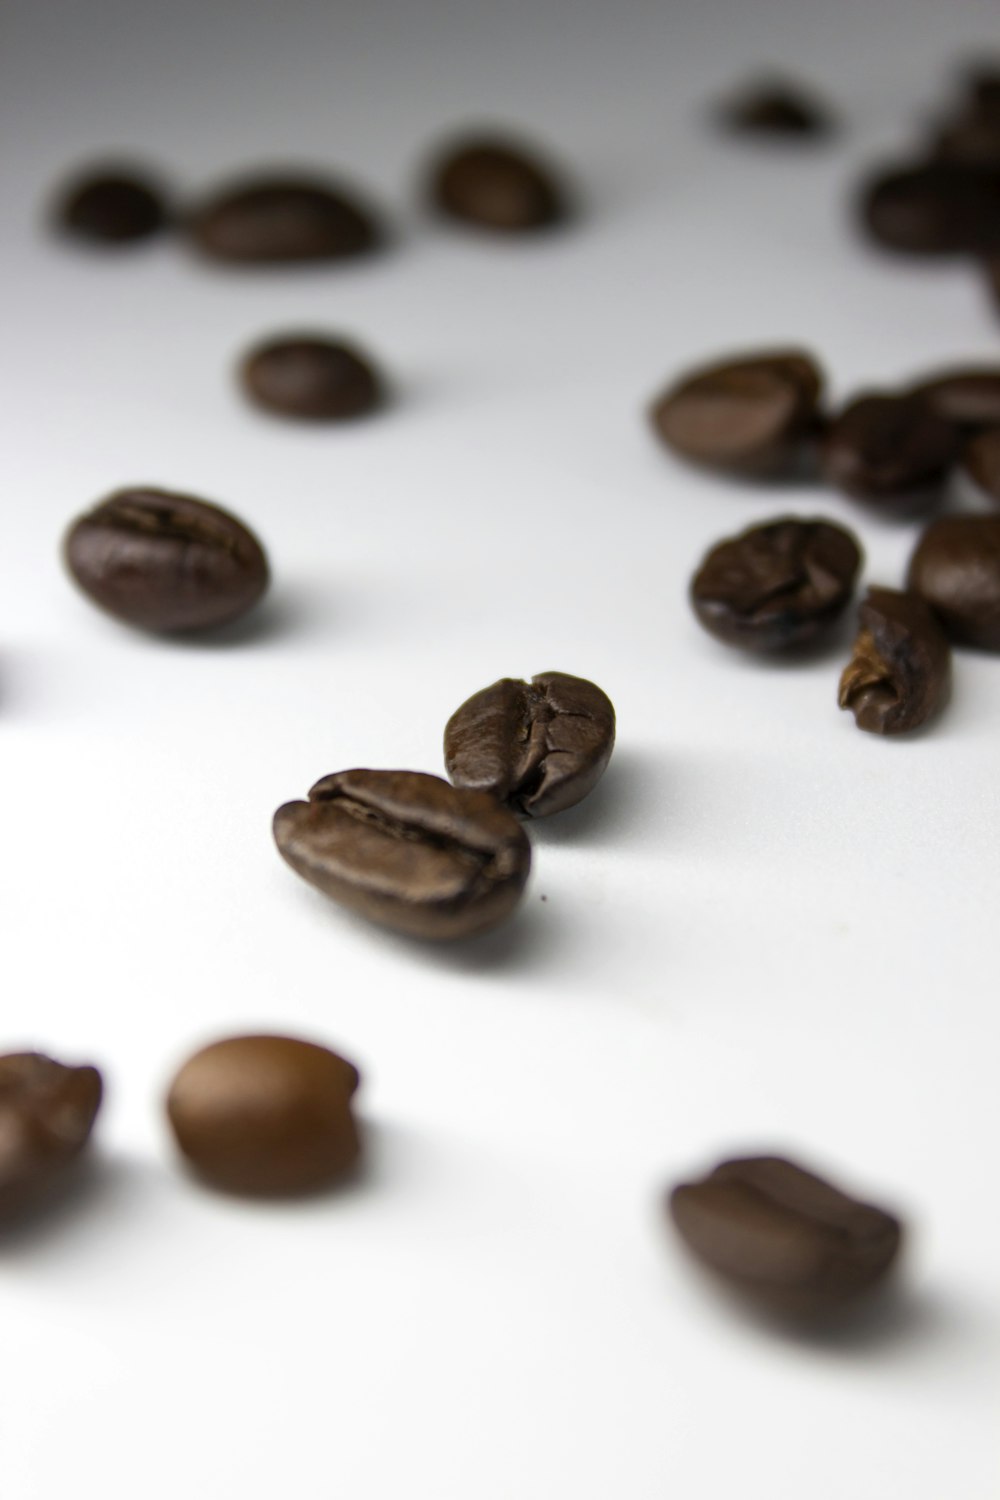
(765, 930)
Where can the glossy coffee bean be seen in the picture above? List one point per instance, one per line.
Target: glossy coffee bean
(47, 1112)
(935, 208)
(271, 220)
(268, 1115)
(891, 451)
(970, 398)
(776, 586)
(777, 110)
(496, 184)
(981, 463)
(407, 850)
(784, 1239)
(111, 207)
(956, 570)
(748, 416)
(166, 562)
(311, 378)
(899, 674)
(538, 746)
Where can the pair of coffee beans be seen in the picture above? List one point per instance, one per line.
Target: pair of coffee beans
(446, 861)
(47, 1113)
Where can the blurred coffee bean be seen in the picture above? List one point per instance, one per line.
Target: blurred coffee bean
(935, 208)
(277, 219)
(775, 109)
(312, 378)
(970, 398)
(891, 451)
(972, 136)
(899, 674)
(981, 462)
(497, 184)
(110, 206)
(956, 570)
(47, 1112)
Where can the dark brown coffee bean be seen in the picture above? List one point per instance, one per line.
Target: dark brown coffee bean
(749, 416)
(969, 398)
(538, 746)
(496, 184)
(899, 674)
(312, 378)
(166, 562)
(784, 1238)
(935, 208)
(47, 1111)
(892, 451)
(981, 462)
(407, 850)
(112, 207)
(776, 586)
(777, 110)
(268, 1115)
(270, 220)
(956, 570)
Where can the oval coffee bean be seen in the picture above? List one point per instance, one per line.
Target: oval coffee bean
(776, 110)
(784, 1238)
(538, 746)
(891, 451)
(407, 850)
(266, 1115)
(956, 570)
(936, 208)
(312, 378)
(166, 562)
(748, 416)
(776, 586)
(494, 183)
(968, 398)
(899, 674)
(112, 207)
(270, 220)
(47, 1112)
(981, 463)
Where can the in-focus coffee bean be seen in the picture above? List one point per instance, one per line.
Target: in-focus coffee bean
(267, 1115)
(970, 398)
(111, 206)
(749, 416)
(899, 674)
(166, 562)
(275, 219)
(981, 463)
(408, 850)
(956, 570)
(777, 110)
(538, 746)
(47, 1112)
(313, 378)
(783, 1238)
(892, 451)
(497, 184)
(935, 208)
(776, 586)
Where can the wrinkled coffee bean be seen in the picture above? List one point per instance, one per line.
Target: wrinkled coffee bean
(270, 220)
(776, 586)
(784, 1238)
(538, 746)
(312, 378)
(748, 416)
(981, 463)
(112, 207)
(407, 850)
(892, 451)
(47, 1111)
(776, 109)
(956, 570)
(499, 185)
(899, 674)
(268, 1115)
(166, 562)
(969, 398)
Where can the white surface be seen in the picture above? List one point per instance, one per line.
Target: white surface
(764, 930)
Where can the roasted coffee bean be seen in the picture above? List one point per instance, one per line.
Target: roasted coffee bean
(497, 184)
(47, 1111)
(166, 562)
(892, 451)
(935, 208)
(407, 850)
(749, 416)
(270, 220)
(981, 463)
(778, 110)
(899, 674)
(969, 398)
(112, 207)
(776, 586)
(956, 570)
(538, 746)
(268, 1115)
(784, 1238)
(312, 378)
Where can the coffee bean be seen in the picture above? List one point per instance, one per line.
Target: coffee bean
(776, 586)
(981, 462)
(969, 398)
(270, 220)
(538, 746)
(777, 110)
(312, 378)
(497, 184)
(899, 674)
(783, 1238)
(111, 207)
(267, 1115)
(971, 136)
(991, 266)
(956, 570)
(166, 562)
(47, 1111)
(935, 208)
(892, 451)
(407, 850)
(749, 416)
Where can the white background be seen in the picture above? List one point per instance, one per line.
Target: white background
(764, 930)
